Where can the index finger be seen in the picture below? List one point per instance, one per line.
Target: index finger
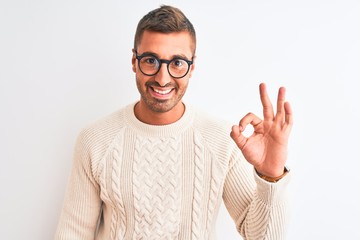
(265, 101)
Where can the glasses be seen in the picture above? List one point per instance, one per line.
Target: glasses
(150, 65)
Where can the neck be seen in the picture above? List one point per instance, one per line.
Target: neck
(145, 115)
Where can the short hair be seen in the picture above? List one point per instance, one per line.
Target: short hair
(165, 19)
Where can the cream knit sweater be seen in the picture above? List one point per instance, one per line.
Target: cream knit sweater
(131, 180)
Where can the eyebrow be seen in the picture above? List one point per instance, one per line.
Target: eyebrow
(182, 56)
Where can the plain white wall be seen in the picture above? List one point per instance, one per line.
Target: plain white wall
(66, 63)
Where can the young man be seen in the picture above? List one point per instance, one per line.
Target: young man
(159, 169)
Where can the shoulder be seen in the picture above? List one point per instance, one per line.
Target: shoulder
(213, 130)
(211, 126)
(103, 130)
(215, 133)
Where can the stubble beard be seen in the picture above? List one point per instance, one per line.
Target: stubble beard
(159, 105)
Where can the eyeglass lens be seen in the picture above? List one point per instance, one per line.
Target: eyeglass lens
(150, 65)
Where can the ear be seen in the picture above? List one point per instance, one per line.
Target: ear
(192, 67)
(133, 61)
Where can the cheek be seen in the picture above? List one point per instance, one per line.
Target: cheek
(141, 79)
(183, 84)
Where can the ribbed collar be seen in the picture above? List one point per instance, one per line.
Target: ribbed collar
(168, 130)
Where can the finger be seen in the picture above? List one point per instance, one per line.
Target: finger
(238, 137)
(289, 118)
(265, 101)
(249, 118)
(280, 103)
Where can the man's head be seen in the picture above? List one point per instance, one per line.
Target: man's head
(166, 19)
(164, 49)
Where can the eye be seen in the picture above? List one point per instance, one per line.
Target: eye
(150, 60)
(178, 63)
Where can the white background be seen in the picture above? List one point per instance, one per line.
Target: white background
(64, 64)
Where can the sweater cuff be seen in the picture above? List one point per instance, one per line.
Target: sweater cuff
(272, 193)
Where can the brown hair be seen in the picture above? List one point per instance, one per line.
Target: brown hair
(165, 19)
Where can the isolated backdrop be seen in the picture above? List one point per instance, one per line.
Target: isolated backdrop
(64, 64)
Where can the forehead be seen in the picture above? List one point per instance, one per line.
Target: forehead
(166, 45)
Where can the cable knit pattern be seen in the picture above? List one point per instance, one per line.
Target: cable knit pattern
(116, 185)
(131, 180)
(157, 188)
(198, 189)
(215, 184)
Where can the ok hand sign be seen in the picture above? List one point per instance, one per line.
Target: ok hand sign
(266, 148)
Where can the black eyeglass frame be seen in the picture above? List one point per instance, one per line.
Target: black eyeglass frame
(161, 61)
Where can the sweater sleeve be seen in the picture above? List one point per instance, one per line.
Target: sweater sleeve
(82, 204)
(259, 208)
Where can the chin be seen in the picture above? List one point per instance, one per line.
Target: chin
(161, 107)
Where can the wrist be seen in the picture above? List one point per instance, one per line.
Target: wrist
(271, 178)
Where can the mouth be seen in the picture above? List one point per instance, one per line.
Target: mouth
(161, 93)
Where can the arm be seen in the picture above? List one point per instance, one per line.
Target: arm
(82, 202)
(263, 213)
(259, 208)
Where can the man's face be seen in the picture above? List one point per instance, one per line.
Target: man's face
(161, 93)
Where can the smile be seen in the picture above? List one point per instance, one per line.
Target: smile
(162, 92)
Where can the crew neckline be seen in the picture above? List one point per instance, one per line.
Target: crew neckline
(171, 129)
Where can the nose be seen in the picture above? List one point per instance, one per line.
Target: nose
(163, 77)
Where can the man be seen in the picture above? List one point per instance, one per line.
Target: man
(159, 169)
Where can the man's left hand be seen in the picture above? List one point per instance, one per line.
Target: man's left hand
(266, 148)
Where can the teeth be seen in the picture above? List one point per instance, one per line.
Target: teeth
(162, 92)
